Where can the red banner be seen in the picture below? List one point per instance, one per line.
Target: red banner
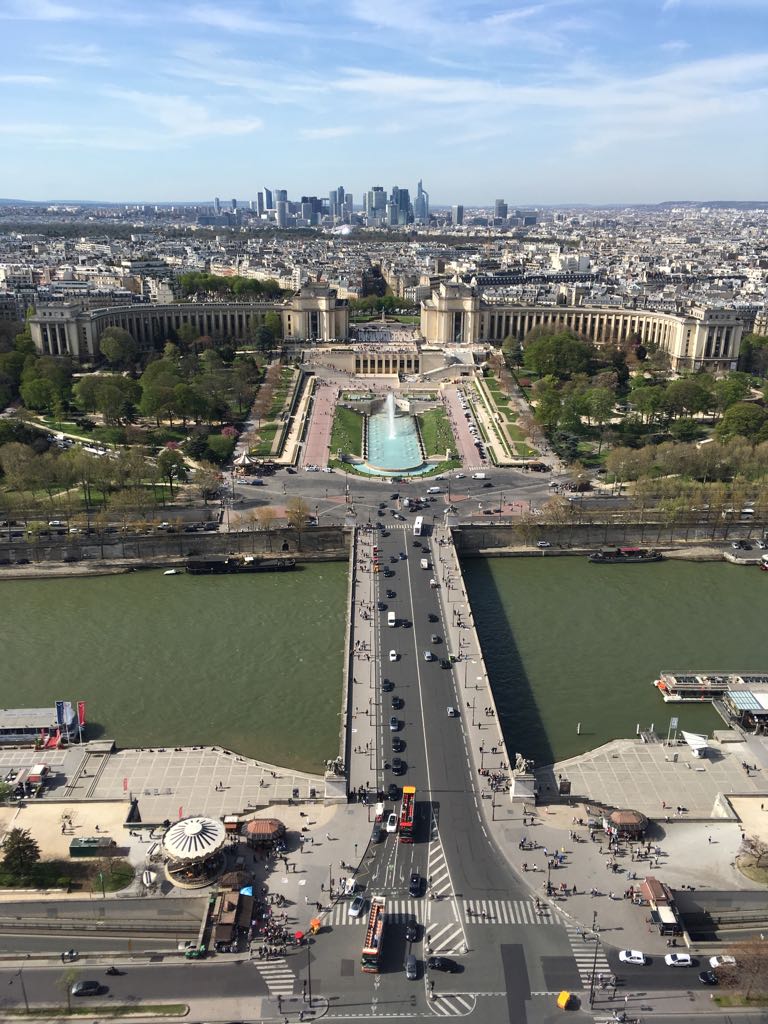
(81, 712)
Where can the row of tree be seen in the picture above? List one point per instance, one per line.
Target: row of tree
(198, 282)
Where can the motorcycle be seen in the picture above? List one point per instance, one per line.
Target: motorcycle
(113, 971)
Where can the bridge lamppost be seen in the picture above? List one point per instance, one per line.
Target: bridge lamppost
(594, 961)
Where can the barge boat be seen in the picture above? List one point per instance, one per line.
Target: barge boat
(611, 556)
(238, 564)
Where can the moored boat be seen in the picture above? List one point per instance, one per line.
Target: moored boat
(610, 556)
(238, 564)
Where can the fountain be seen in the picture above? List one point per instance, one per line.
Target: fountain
(394, 445)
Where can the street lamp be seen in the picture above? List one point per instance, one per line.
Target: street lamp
(23, 989)
(594, 961)
(309, 976)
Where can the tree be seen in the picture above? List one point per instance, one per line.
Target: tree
(275, 324)
(118, 346)
(686, 396)
(207, 480)
(548, 403)
(296, 512)
(171, 466)
(20, 852)
(743, 419)
(265, 516)
(38, 394)
(731, 389)
(560, 354)
(600, 402)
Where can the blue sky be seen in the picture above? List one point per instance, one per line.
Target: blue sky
(532, 100)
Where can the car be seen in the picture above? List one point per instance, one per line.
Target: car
(394, 724)
(736, 544)
(429, 656)
(435, 638)
(391, 594)
(398, 516)
(86, 988)
(761, 544)
(708, 978)
(356, 907)
(379, 511)
(392, 822)
(432, 617)
(56, 522)
(722, 961)
(415, 884)
(393, 655)
(70, 558)
(387, 685)
(452, 712)
(442, 963)
(543, 544)
(403, 556)
(394, 496)
(444, 663)
(398, 744)
(412, 932)
(22, 561)
(398, 766)
(633, 956)
(393, 558)
(382, 504)
(381, 606)
(387, 572)
(411, 967)
(185, 944)
(458, 476)
(397, 703)
(376, 833)
(487, 484)
(678, 960)
(393, 792)
(746, 546)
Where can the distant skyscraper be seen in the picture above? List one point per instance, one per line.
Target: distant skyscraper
(260, 203)
(421, 205)
(268, 204)
(281, 195)
(500, 210)
(282, 213)
(457, 214)
(234, 206)
(217, 206)
(333, 204)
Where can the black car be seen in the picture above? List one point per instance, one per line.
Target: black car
(399, 767)
(391, 594)
(412, 932)
(442, 963)
(445, 663)
(487, 484)
(398, 744)
(708, 978)
(382, 504)
(393, 792)
(385, 533)
(436, 639)
(395, 496)
(397, 703)
(432, 617)
(415, 884)
(379, 511)
(381, 606)
(388, 573)
(376, 833)
(22, 561)
(387, 685)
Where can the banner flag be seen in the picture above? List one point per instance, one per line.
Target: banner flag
(60, 712)
(81, 712)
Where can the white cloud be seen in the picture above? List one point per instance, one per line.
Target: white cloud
(26, 80)
(182, 118)
(674, 46)
(328, 133)
(41, 10)
(86, 54)
(240, 21)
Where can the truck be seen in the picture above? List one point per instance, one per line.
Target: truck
(424, 563)
(479, 476)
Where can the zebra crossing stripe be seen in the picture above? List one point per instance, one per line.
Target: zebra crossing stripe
(587, 958)
(277, 976)
(504, 912)
(453, 1004)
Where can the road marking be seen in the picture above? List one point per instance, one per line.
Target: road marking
(276, 975)
(504, 912)
(584, 955)
(452, 1004)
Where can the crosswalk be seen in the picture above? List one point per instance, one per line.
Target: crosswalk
(277, 976)
(437, 866)
(453, 1004)
(584, 955)
(399, 911)
(446, 938)
(505, 912)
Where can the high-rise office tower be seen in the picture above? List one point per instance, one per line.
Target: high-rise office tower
(349, 206)
(268, 204)
(281, 195)
(234, 205)
(260, 203)
(500, 210)
(457, 214)
(217, 206)
(333, 204)
(281, 211)
(421, 205)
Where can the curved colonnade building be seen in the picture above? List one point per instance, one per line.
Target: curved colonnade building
(454, 316)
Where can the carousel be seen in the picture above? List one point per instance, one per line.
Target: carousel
(244, 464)
(194, 851)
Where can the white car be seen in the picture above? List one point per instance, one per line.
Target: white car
(458, 476)
(393, 655)
(543, 544)
(357, 906)
(633, 956)
(392, 822)
(722, 961)
(678, 960)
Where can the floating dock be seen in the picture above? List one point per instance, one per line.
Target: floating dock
(696, 687)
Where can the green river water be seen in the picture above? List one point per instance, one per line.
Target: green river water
(254, 663)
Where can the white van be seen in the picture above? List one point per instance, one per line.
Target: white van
(479, 476)
(424, 563)
(433, 490)
(391, 619)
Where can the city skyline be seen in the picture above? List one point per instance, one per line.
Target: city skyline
(543, 103)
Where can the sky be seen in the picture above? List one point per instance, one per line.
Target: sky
(533, 101)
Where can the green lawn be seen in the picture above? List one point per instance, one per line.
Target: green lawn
(267, 434)
(347, 432)
(126, 1010)
(81, 875)
(436, 432)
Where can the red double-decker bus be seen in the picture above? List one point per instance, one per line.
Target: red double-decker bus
(407, 814)
(370, 960)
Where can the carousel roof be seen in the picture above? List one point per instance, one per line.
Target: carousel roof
(194, 839)
(244, 459)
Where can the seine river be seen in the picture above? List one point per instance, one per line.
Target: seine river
(254, 663)
(569, 642)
